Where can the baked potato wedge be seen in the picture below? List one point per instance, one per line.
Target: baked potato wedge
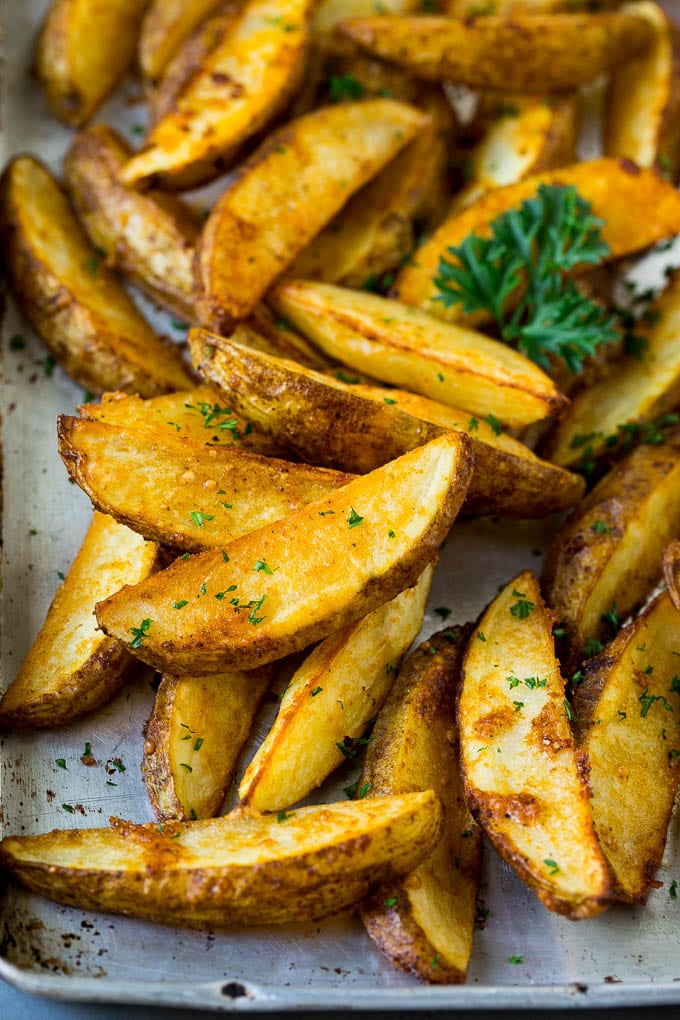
(671, 572)
(183, 493)
(636, 206)
(242, 84)
(72, 668)
(534, 53)
(194, 738)
(82, 52)
(377, 229)
(624, 706)
(305, 171)
(166, 26)
(150, 237)
(78, 308)
(524, 782)
(377, 425)
(406, 347)
(424, 923)
(331, 700)
(606, 558)
(643, 102)
(638, 390)
(271, 593)
(242, 869)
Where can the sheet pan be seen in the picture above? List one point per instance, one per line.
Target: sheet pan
(625, 957)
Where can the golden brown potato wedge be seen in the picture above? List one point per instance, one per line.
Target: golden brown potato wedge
(182, 493)
(637, 207)
(377, 229)
(166, 25)
(534, 53)
(424, 923)
(194, 737)
(671, 572)
(606, 558)
(330, 701)
(149, 237)
(269, 594)
(637, 390)
(77, 306)
(643, 102)
(524, 136)
(377, 425)
(523, 779)
(289, 189)
(72, 668)
(625, 707)
(242, 84)
(408, 348)
(241, 869)
(82, 52)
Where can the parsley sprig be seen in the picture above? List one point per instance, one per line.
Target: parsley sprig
(527, 255)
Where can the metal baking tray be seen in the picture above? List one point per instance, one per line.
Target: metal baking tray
(628, 956)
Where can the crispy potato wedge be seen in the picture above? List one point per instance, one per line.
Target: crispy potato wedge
(241, 869)
(194, 737)
(624, 707)
(242, 84)
(72, 668)
(83, 51)
(524, 782)
(637, 207)
(671, 572)
(377, 425)
(384, 528)
(637, 390)
(305, 171)
(606, 558)
(77, 306)
(524, 137)
(377, 229)
(166, 25)
(326, 708)
(534, 53)
(182, 493)
(149, 237)
(407, 347)
(424, 923)
(643, 101)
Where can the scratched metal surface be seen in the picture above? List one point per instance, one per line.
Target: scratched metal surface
(625, 957)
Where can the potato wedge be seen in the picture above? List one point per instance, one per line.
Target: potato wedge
(149, 237)
(377, 229)
(72, 668)
(534, 53)
(166, 25)
(406, 347)
(624, 707)
(524, 783)
(606, 558)
(377, 425)
(77, 306)
(330, 701)
(182, 493)
(637, 207)
(243, 83)
(235, 870)
(643, 102)
(637, 390)
(288, 592)
(83, 51)
(424, 923)
(194, 737)
(525, 137)
(305, 171)
(671, 572)
(272, 334)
